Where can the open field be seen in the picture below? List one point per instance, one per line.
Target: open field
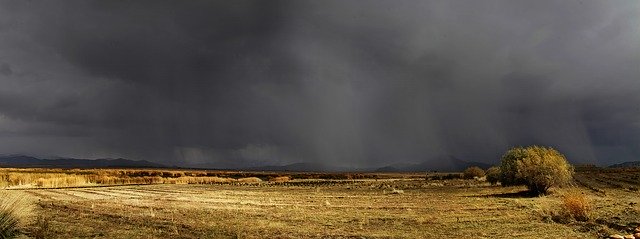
(12, 178)
(369, 206)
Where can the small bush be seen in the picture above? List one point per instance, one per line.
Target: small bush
(280, 179)
(493, 175)
(473, 172)
(539, 168)
(448, 176)
(14, 210)
(576, 205)
(249, 180)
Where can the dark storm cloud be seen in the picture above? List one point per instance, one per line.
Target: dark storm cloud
(346, 83)
(5, 69)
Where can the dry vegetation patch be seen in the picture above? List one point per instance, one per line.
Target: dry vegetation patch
(206, 204)
(398, 208)
(249, 180)
(59, 178)
(576, 204)
(15, 212)
(52, 178)
(280, 179)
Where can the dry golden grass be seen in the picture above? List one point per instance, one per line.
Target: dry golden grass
(34, 179)
(197, 180)
(572, 205)
(300, 209)
(59, 178)
(61, 181)
(325, 210)
(249, 180)
(205, 204)
(15, 210)
(576, 204)
(280, 179)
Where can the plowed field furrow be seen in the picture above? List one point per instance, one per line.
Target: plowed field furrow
(44, 194)
(127, 192)
(88, 194)
(106, 193)
(147, 192)
(167, 191)
(623, 179)
(609, 183)
(591, 181)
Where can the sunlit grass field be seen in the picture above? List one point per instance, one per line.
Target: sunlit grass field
(292, 205)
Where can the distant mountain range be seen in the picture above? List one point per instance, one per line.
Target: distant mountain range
(626, 164)
(442, 164)
(22, 161)
(302, 167)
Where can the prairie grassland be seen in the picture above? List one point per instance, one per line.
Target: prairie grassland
(407, 206)
(59, 178)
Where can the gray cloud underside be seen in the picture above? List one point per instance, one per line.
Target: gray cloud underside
(344, 83)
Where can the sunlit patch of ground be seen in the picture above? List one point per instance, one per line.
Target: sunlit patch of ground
(325, 209)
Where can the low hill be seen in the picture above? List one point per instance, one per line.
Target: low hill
(443, 164)
(302, 167)
(23, 161)
(626, 165)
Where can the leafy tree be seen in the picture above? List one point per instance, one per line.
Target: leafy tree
(508, 166)
(539, 168)
(493, 175)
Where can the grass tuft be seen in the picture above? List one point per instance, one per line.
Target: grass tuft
(577, 205)
(42, 228)
(14, 210)
(574, 206)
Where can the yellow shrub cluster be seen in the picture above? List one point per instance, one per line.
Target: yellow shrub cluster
(576, 205)
(539, 168)
(56, 178)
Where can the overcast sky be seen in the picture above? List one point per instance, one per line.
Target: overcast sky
(342, 83)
